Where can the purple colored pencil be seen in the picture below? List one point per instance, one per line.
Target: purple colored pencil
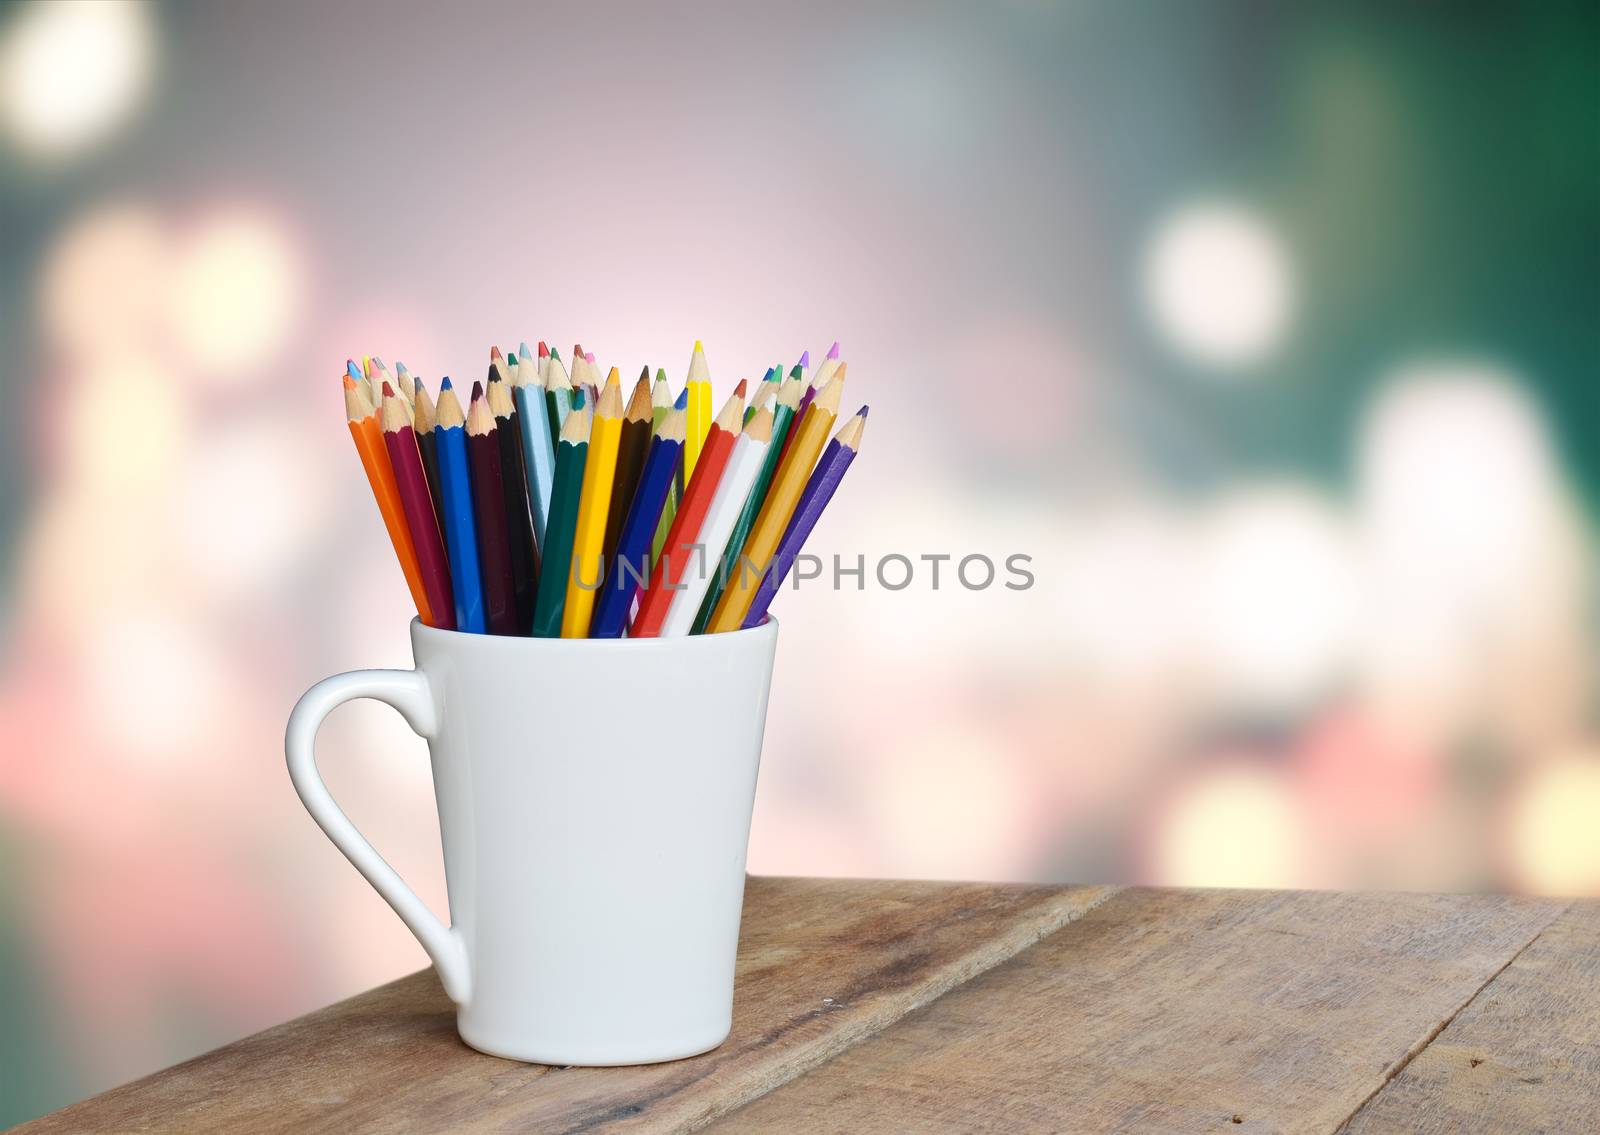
(818, 492)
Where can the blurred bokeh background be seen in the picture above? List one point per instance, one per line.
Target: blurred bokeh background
(1268, 331)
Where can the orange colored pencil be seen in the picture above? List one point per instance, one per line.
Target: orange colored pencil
(368, 436)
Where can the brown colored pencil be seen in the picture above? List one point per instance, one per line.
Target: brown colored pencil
(630, 460)
(424, 417)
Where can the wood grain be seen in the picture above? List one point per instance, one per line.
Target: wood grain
(1524, 1056)
(822, 965)
(1174, 1011)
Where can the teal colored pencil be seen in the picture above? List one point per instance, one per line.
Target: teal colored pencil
(572, 453)
(558, 396)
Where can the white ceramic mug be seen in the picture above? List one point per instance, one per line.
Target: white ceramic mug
(594, 803)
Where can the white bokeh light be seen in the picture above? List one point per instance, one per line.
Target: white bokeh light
(1231, 827)
(1278, 593)
(1457, 473)
(236, 293)
(1554, 837)
(1219, 285)
(71, 71)
(251, 506)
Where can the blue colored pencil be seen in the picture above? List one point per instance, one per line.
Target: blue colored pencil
(630, 567)
(461, 532)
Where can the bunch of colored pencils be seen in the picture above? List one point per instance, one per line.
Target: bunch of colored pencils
(551, 506)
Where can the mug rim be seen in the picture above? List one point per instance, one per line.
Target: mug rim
(420, 631)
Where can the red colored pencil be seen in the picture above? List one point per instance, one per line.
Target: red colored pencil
(679, 552)
(417, 502)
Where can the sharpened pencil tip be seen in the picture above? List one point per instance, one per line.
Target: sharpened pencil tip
(523, 352)
(444, 383)
(682, 402)
(644, 375)
(353, 368)
(768, 376)
(544, 351)
(741, 388)
(805, 358)
(863, 411)
(699, 348)
(494, 353)
(613, 379)
(833, 351)
(388, 391)
(477, 391)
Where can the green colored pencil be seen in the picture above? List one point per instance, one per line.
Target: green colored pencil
(660, 402)
(571, 455)
(788, 398)
(558, 396)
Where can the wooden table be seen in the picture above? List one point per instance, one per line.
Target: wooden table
(877, 1006)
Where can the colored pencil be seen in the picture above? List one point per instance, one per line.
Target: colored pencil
(660, 401)
(460, 530)
(538, 453)
(670, 509)
(519, 527)
(362, 416)
(416, 499)
(558, 396)
(498, 367)
(802, 369)
(588, 539)
(631, 448)
(565, 497)
(544, 361)
(699, 421)
(682, 548)
(765, 390)
(825, 373)
(405, 384)
(783, 419)
(423, 418)
(794, 470)
(830, 366)
(819, 491)
(591, 378)
(629, 569)
(489, 513)
(745, 462)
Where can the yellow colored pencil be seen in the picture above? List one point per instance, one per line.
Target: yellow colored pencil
(588, 541)
(787, 486)
(699, 410)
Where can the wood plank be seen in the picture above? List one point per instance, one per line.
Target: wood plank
(1523, 1056)
(1173, 1011)
(822, 964)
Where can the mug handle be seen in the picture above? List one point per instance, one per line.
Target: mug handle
(406, 691)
